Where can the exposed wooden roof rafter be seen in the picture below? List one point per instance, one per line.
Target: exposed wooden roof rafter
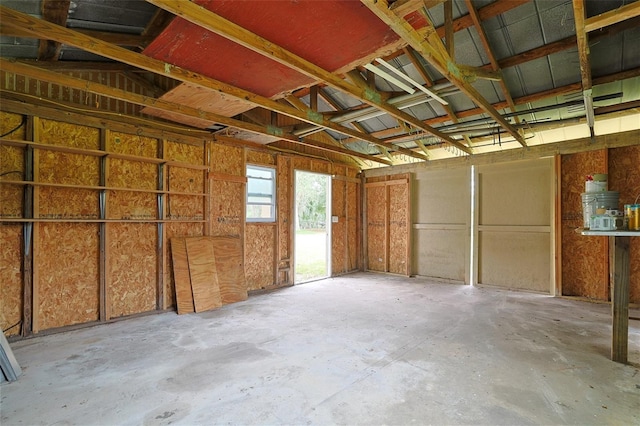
(206, 19)
(123, 95)
(40, 28)
(435, 53)
(582, 39)
(55, 11)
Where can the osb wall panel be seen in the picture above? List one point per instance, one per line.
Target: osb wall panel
(398, 229)
(124, 143)
(227, 159)
(186, 180)
(68, 203)
(185, 207)
(132, 205)
(376, 236)
(302, 163)
(131, 268)
(184, 153)
(68, 169)
(73, 135)
(320, 166)
(624, 176)
(585, 269)
(227, 207)
(132, 174)
(13, 123)
(175, 230)
(284, 205)
(11, 169)
(67, 265)
(260, 244)
(10, 277)
(339, 229)
(260, 157)
(338, 246)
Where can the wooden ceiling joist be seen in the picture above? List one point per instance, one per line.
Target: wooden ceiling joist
(434, 52)
(123, 95)
(582, 39)
(13, 19)
(492, 57)
(611, 17)
(206, 19)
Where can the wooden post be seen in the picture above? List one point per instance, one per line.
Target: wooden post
(27, 238)
(102, 209)
(161, 248)
(620, 298)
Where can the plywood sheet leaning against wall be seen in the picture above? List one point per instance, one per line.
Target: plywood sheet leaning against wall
(131, 269)
(66, 290)
(584, 268)
(182, 279)
(624, 177)
(202, 271)
(229, 268)
(173, 230)
(10, 278)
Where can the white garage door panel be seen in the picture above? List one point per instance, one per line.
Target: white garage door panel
(440, 253)
(515, 260)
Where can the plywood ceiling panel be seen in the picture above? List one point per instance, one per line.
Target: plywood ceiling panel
(331, 34)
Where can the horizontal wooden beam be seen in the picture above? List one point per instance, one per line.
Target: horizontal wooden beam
(123, 95)
(615, 140)
(611, 17)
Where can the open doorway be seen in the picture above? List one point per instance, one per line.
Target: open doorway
(312, 226)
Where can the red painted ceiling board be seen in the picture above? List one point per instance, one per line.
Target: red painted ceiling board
(329, 33)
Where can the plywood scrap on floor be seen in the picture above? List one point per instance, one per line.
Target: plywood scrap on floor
(208, 272)
(202, 270)
(230, 268)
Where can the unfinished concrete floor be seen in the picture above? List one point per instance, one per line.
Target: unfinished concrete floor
(360, 349)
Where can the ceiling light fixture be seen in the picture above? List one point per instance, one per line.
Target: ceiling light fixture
(410, 80)
(389, 78)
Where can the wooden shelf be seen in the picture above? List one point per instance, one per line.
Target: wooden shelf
(99, 153)
(63, 220)
(101, 188)
(610, 233)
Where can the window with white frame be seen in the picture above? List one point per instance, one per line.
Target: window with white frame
(261, 194)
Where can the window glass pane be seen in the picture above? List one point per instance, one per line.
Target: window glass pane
(261, 200)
